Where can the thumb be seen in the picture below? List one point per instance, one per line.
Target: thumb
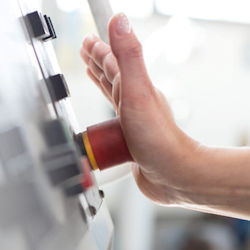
(135, 82)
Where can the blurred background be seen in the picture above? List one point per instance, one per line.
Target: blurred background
(198, 54)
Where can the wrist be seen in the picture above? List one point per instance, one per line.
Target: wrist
(182, 167)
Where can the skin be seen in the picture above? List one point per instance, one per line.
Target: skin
(170, 167)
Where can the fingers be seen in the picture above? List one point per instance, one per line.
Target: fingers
(107, 86)
(102, 84)
(104, 58)
(84, 56)
(93, 78)
(99, 77)
(102, 67)
(101, 55)
(135, 82)
(96, 71)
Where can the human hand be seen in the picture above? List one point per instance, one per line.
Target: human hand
(160, 149)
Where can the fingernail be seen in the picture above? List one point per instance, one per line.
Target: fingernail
(123, 26)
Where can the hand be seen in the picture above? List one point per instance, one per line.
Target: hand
(171, 168)
(160, 149)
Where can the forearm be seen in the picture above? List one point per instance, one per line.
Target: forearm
(217, 181)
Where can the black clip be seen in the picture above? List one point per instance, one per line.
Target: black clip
(52, 33)
(41, 26)
(58, 86)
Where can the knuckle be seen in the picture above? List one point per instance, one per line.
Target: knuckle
(105, 57)
(100, 52)
(134, 51)
(102, 78)
(95, 49)
(116, 79)
(91, 63)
